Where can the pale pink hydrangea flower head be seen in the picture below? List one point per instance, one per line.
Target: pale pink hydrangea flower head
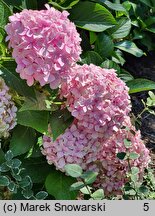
(112, 173)
(97, 98)
(7, 110)
(74, 146)
(45, 45)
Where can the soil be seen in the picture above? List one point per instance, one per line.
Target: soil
(143, 67)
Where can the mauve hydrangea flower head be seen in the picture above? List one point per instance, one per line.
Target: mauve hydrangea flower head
(45, 45)
(74, 146)
(7, 111)
(112, 172)
(97, 98)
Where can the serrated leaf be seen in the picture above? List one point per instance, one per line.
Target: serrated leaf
(91, 57)
(12, 79)
(41, 195)
(111, 64)
(122, 29)
(113, 6)
(5, 12)
(77, 186)
(37, 168)
(139, 84)
(121, 155)
(73, 170)
(92, 16)
(130, 47)
(58, 185)
(23, 138)
(37, 103)
(34, 119)
(60, 120)
(89, 177)
(104, 45)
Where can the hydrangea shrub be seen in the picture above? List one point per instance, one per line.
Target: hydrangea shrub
(46, 47)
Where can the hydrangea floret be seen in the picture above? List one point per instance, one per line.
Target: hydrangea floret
(7, 110)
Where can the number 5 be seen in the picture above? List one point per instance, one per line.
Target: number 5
(146, 207)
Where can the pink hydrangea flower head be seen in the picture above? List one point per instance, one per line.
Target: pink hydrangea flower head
(7, 110)
(112, 175)
(74, 146)
(45, 45)
(97, 98)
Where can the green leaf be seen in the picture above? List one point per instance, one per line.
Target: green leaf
(113, 6)
(139, 84)
(121, 155)
(4, 181)
(133, 155)
(130, 47)
(37, 168)
(127, 143)
(58, 185)
(147, 2)
(4, 167)
(89, 177)
(134, 170)
(104, 45)
(91, 16)
(77, 186)
(31, 4)
(73, 170)
(27, 193)
(9, 155)
(143, 189)
(12, 186)
(111, 64)
(17, 177)
(26, 181)
(12, 79)
(93, 37)
(2, 158)
(86, 190)
(98, 195)
(91, 57)
(60, 120)
(122, 29)
(125, 75)
(41, 195)
(37, 103)
(117, 57)
(22, 140)
(16, 163)
(5, 12)
(35, 119)
(68, 4)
